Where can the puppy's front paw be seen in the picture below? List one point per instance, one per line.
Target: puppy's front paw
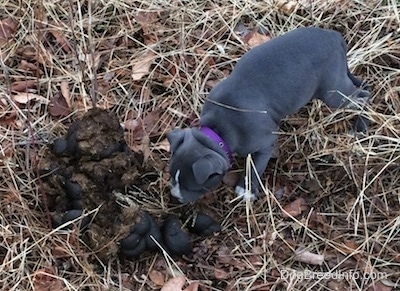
(246, 195)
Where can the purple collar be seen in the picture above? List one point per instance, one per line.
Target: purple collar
(217, 139)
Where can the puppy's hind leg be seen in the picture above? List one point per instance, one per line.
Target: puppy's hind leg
(351, 96)
(361, 97)
(359, 83)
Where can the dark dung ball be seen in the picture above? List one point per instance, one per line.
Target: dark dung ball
(74, 214)
(73, 189)
(59, 146)
(132, 246)
(203, 224)
(175, 239)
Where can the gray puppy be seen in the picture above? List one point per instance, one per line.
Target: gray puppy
(243, 111)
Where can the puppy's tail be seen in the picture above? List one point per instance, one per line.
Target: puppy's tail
(361, 123)
(358, 82)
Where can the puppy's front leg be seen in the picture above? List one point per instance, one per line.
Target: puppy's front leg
(249, 184)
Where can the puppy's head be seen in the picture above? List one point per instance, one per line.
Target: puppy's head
(197, 164)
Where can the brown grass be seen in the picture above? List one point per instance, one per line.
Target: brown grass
(350, 184)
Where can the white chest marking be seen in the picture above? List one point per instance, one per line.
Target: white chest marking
(175, 191)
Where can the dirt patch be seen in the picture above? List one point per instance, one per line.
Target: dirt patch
(86, 173)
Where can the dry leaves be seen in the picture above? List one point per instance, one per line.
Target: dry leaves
(23, 86)
(60, 104)
(29, 68)
(251, 37)
(379, 286)
(289, 7)
(295, 208)
(61, 39)
(141, 65)
(148, 126)
(174, 284)
(163, 145)
(183, 60)
(255, 38)
(24, 98)
(46, 280)
(305, 256)
(7, 118)
(352, 248)
(317, 220)
(157, 277)
(220, 274)
(145, 18)
(177, 283)
(8, 27)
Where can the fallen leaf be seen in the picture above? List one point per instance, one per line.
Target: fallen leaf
(149, 125)
(305, 256)
(352, 248)
(127, 282)
(7, 151)
(23, 86)
(220, 274)
(163, 145)
(141, 65)
(58, 106)
(7, 118)
(65, 92)
(336, 285)
(8, 27)
(192, 287)
(319, 220)
(145, 18)
(212, 83)
(29, 67)
(255, 38)
(92, 61)
(379, 286)
(224, 255)
(150, 39)
(46, 280)
(61, 40)
(133, 124)
(24, 98)
(157, 277)
(256, 258)
(174, 284)
(287, 7)
(295, 208)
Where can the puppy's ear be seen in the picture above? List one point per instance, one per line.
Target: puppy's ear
(207, 166)
(175, 138)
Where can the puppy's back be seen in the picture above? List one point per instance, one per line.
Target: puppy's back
(306, 44)
(290, 69)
